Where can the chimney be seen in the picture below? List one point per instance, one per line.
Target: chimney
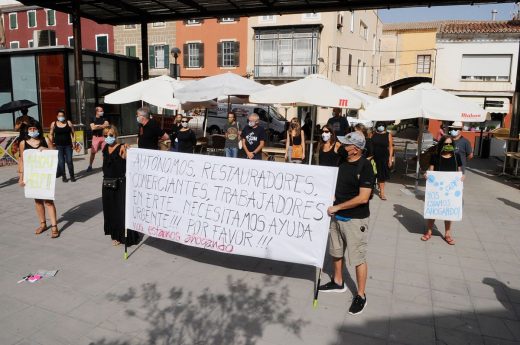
(494, 15)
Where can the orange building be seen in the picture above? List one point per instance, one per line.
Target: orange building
(212, 46)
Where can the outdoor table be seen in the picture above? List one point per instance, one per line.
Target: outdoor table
(271, 152)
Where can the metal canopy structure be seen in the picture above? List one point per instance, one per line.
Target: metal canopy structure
(118, 12)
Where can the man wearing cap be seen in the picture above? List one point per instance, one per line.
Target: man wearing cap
(462, 145)
(349, 222)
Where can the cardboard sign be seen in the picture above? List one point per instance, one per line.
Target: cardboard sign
(39, 173)
(443, 198)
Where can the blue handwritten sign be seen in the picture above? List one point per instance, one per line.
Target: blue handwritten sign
(443, 199)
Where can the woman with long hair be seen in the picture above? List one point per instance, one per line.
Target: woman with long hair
(446, 159)
(62, 135)
(114, 188)
(383, 145)
(295, 142)
(186, 139)
(36, 141)
(328, 148)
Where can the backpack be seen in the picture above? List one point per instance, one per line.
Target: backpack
(358, 173)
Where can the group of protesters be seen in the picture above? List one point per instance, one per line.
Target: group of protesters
(363, 156)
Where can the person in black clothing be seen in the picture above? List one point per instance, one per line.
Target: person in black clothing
(338, 123)
(173, 133)
(36, 141)
(113, 192)
(446, 159)
(97, 125)
(383, 145)
(62, 135)
(150, 132)
(295, 142)
(349, 223)
(186, 139)
(21, 127)
(328, 148)
(253, 138)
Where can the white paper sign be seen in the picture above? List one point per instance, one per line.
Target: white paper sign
(239, 206)
(443, 199)
(39, 173)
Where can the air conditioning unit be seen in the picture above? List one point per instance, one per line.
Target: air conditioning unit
(44, 38)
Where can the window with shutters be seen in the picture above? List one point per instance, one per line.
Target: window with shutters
(51, 17)
(69, 20)
(102, 43)
(227, 20)
(424, 63)
(338, 59)
(311, 16)
(193, 55)
(486, 67)
(70, 40)
(130, 26)
(193, 22)
(30, 43)
(131, 50)
(159, 57)
(13, 21)
(286, 53)
(363, 30)
(31, 19)
(349, 64)
(352, 24)
(359, 71)
(14, 45)
(227, 54)
(158, 24)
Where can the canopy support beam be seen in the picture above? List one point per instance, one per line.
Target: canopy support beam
(78, 74)
(144, 50)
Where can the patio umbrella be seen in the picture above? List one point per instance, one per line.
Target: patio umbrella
(314, 90)
(9, 107)
(218, 86)
(159, 91)
(424, 101)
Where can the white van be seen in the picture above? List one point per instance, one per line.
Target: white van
(270, 119)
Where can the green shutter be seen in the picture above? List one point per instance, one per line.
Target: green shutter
(201, 55)
(151, 56)
(51, 19)
(237, 54)
(219, 54)
(185, 56)
(166, 56)
(13, 20)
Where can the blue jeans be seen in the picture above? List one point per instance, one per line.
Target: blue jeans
(65, 156)
(231, 152)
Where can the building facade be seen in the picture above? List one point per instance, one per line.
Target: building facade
(212, 46)
(161, 39)
(20, 23)
(343, 46)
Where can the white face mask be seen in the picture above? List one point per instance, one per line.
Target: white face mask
(33, 134)
(61, 118)
(100, 113)
(380, 128)
(325, 136)
(184, 124)
(251, 123)
(454, 132)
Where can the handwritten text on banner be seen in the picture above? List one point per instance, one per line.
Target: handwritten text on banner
(247, 207)
(39, 173)
(443, 198)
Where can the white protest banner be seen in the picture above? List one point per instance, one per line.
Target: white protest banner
(39, 173)
(248, 207)
(443, 199)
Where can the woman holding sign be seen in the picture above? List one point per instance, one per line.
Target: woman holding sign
(36, 141)
(114, 187)
(446, 159)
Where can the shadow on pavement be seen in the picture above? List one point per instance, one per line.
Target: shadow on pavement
(410, 218)
(80, 213)
(10, 182)
(510, 203)
(84, 173)
(238, 316)
(450, 327)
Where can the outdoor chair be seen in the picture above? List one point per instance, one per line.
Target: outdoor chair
(216, 145)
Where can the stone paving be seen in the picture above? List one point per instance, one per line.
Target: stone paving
(166, 293)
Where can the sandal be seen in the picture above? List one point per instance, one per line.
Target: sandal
(115, 243)
(383, 197)
(449, 240)
(41, 228)
(55, 233)
(426, 236)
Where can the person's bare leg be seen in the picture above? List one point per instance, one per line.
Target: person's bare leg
(429, 229)
(382, 190)
(40, 212)
(338, 270)
(92, 156)
(51, 210)
(361, 278)
(447, 235)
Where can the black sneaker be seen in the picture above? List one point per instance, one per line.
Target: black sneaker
(358, 304)
(89, 169)
(72, 179)
(64, 178)
(333, 287)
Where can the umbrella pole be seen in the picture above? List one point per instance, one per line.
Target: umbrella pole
(419, 149)
(315, 111)
(205, 122)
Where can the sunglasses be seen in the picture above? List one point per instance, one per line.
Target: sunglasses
(184, 121)
(109, 135)
(326, 131)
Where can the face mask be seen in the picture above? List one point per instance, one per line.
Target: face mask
(325, 136)
(251, 123)
(138, 119)
(380, 128)
(101, 113)
(184, 124)
(110, 140)
(454, 133)
(61, 118)
(448, 148)
(34, 134)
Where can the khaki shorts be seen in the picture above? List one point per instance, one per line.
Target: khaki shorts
(349, 236)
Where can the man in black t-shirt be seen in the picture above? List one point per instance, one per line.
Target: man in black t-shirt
(150, 131)
(338, 123)
(253, 138)
(349, 223)
(97, 125)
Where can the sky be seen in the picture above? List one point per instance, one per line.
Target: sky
(466, 12)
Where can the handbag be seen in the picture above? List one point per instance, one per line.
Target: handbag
(111, 183)
(297, 150)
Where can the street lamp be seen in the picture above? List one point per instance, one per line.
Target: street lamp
(175, 53)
